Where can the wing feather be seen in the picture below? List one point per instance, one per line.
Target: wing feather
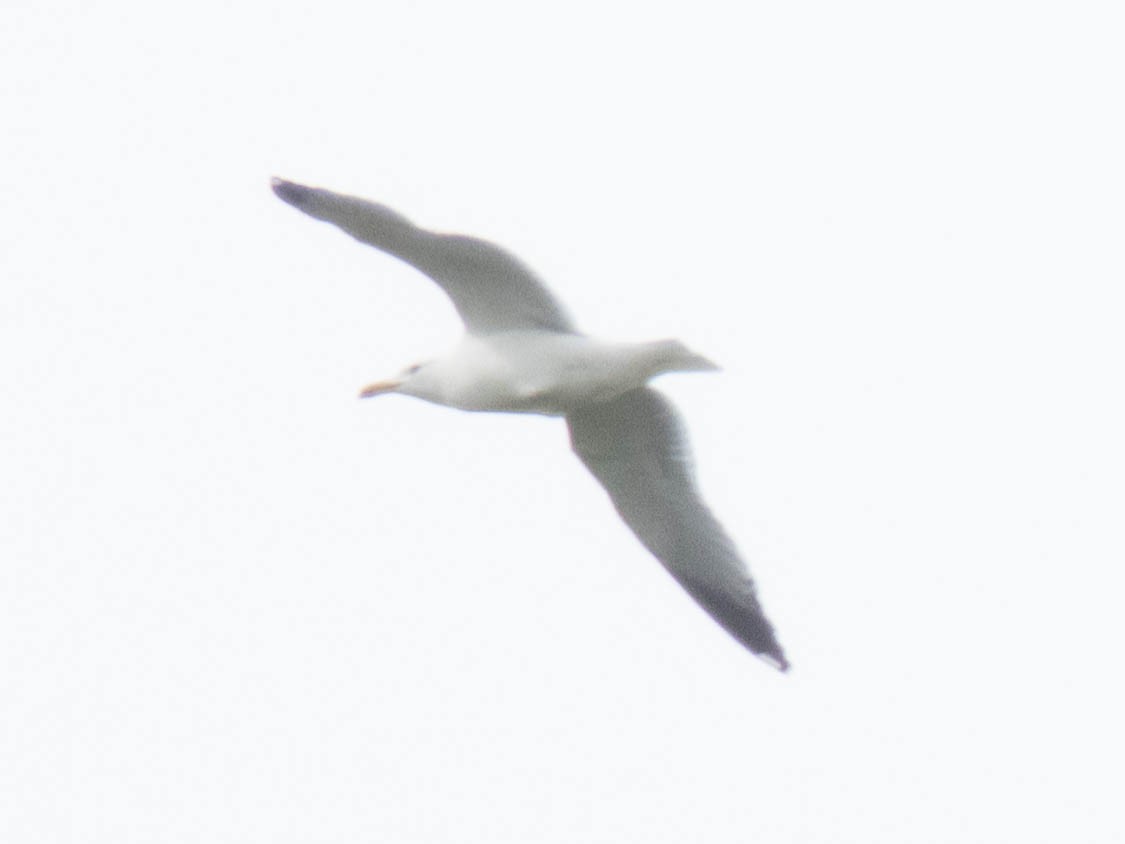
(492, 290)
(635, 447)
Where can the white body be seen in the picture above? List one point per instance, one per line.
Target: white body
(522, 353)
(543, 372)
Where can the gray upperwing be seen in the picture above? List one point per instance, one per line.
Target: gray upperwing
(492, 290)
(635, 447)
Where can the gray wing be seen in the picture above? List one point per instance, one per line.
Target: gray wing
(634, 446)
(492, 290)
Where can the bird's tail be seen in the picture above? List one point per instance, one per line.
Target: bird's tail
(674, 356)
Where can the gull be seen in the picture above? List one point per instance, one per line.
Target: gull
(522, 353)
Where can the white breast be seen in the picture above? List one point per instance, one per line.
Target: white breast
(537, 372)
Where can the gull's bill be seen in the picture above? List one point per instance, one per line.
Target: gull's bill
(378, 387)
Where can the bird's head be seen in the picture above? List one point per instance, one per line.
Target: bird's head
(415, 380)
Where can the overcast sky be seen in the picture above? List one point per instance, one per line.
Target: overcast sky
(239, 605)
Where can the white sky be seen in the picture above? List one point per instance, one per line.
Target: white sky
(239, 605)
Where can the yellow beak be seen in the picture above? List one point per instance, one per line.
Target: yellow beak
(380, 387)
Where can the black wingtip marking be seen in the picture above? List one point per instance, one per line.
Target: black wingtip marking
(743, 618)
(291, 192)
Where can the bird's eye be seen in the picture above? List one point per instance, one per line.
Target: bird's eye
(410, 370)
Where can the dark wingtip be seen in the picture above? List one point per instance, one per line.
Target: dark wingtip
(775, 658)
(742, 616)
(291, 192)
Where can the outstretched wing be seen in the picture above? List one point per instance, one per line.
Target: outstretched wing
(635, 447)
(492, 290)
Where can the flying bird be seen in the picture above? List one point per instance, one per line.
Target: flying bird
(522, 353)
